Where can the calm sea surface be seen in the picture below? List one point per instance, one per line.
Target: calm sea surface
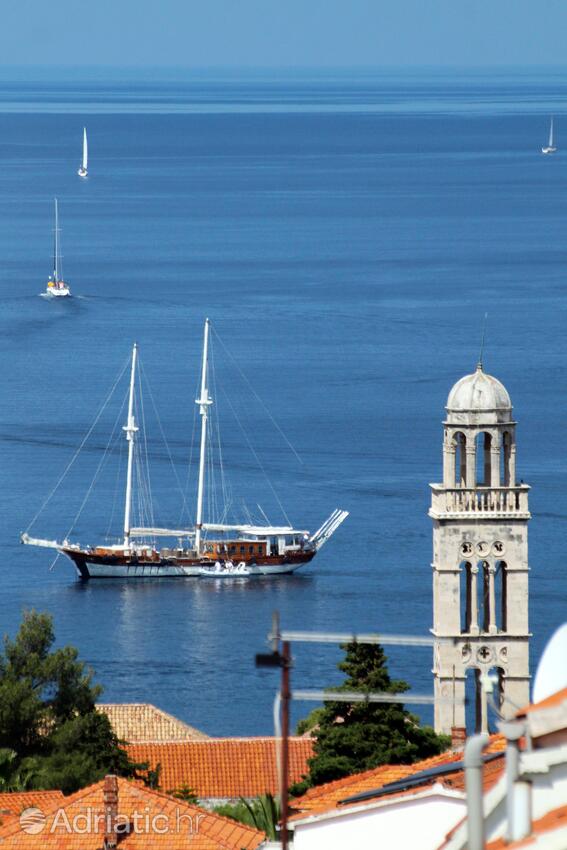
(346, 235)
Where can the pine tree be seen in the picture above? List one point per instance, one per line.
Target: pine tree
(352, 737)
(48, 717)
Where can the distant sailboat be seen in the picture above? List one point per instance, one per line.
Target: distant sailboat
(550, 146)
(56, 286)
(82, 172)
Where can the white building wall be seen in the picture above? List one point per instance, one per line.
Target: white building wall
(408, 825)
(549, 792)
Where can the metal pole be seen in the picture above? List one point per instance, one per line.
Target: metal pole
(56, 246)
(473, 785)
(130, 429)
(204, 401)
(285, 697)
(350, 637)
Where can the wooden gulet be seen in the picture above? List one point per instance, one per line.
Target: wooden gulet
(238, 550)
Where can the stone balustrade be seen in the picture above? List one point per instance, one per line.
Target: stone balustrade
(480, 500)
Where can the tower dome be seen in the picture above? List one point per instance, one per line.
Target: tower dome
(478, 393)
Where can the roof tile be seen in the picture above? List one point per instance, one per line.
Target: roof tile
(13, 803)
(179, 826)
(223, 767)
(326, 797)
(136, 722)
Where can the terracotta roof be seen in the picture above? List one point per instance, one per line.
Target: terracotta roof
(551, 701)
(555, 819)
(223, 767)
(326, 797)
(491, 773)
(13, 803)
(155, 820)
(141, 721)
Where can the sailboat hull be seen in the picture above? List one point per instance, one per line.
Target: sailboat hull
(82, 172)
(548, 150)
(118, 566)
(58, 292)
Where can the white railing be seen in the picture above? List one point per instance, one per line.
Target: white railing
(480, 500)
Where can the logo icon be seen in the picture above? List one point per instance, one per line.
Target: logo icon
(32, 821)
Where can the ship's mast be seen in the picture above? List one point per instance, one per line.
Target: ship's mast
(56, 246)
(204, 401)
(130, 429)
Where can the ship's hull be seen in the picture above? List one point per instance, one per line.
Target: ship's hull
(91, 566)
(54, 292)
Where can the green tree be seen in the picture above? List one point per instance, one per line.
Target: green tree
(185, 793)
(12, 776)
(48, 716)
(151, 776)
(352, 737)
(263, 813)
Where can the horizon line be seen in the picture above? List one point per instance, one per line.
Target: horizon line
(291, 68)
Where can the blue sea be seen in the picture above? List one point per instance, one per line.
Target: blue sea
(346, 233)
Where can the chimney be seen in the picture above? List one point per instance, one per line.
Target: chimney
(458, 737)
(110, 796)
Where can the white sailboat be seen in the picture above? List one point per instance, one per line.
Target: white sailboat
(550, 147)
(56, 286)
(207, 548)
(83, 172)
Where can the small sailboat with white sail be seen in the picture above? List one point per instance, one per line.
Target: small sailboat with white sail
(550, 147)
(56, 286)
(212, 547)
(83, 170)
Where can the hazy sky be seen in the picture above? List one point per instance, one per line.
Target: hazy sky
(283, 32)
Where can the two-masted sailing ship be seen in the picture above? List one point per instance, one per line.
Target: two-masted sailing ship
(56, 286)
(206, 549)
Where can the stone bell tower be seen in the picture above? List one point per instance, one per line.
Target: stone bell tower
(480, 558)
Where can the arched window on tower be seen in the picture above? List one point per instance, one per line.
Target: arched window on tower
(466, 596)
(506, 459)
(501, 596)
(479, 712)
(460, 444)
(483, 448)
(473, 701)
(484, 588)
(497, 674)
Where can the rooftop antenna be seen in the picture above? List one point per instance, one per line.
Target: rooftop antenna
(481, 352)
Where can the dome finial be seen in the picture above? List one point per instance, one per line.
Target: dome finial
(481, 352)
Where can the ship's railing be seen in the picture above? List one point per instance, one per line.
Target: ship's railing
(491, 500)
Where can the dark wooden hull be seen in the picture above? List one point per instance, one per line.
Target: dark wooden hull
(93, 565)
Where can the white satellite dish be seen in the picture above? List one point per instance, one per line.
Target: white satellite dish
(551, 673)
